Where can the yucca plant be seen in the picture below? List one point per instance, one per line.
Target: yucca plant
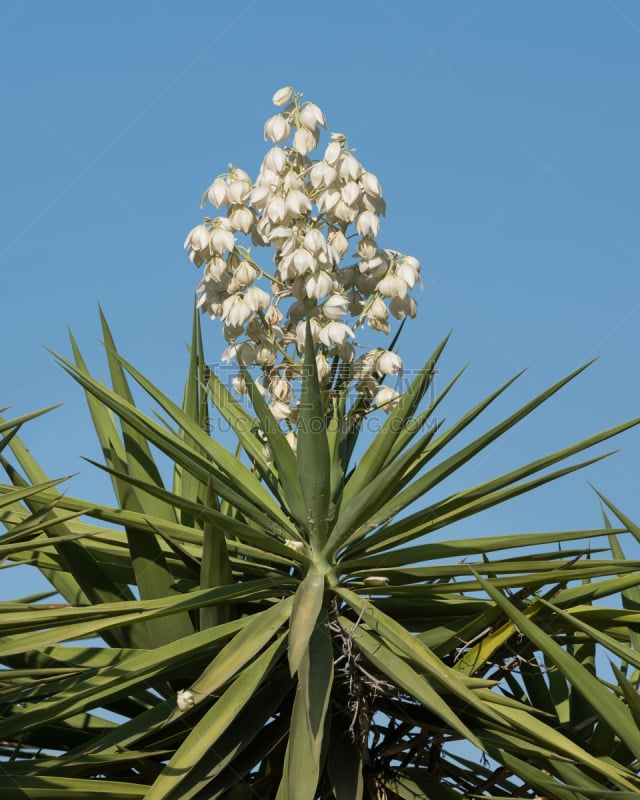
(293, 620)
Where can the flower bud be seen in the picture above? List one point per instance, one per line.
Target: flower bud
(294, 544)
(185, 699)
(217, 193)
(370, 184)
(282, 96)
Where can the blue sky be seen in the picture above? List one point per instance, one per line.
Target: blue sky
(505, 138)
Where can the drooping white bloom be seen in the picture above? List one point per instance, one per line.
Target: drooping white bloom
(350, 192)
(239, 190)
(318, 285)
(257, 299)
(280, 410)
(311, 116)
(241, 219)
(301, 333)
(276, 160)
(281, 389)
(297, 203)
(235, 310)
(367, 224)
(198, 238)
(277, 128)
(403, 307)
(335, 307)
(276, 209)
(332, 153)
(265, 355)
(392, 286)
(339, 242)
(217, 193)
(388, 363)
(283, 96)
(245, 274)
(221, 240)
(350, 168)
(335, 333)
(322, 366)
(387, 398)
(304, 141)
(371, 184)
(314, 241)
(239, 384)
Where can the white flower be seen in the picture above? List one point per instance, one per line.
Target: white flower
(239, 384)
(217, 193)
(260, 196)
(367, 248)
(276, 160)
(198, 238)
(402, 307)
(378, 311)
(215, 269)
(392, 286)
(327, 200)
(323, 367)
(314, 241)
(297, 203)
(387, 398)
(371, 184)
(235, 310)
(350, 168)
(239, 190)
(277, 128)
(265, 355)
(350, 192)
(241, 219)
(276, 210)
(304, 141)
(335, 307)
(335, 333)
(332, 153)
(367, 224)
(318, 285)
(303, 261)
(339, 242)
(322, 174)
(388, 363)
(221, 240)
(282, 96)
(280, 410)
(245, 274)
(280, 389)
(301, 333)
(311, 116)
(257, 299)
(344, 211)
(185, 699)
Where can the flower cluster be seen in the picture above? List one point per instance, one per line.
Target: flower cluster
(311, 212)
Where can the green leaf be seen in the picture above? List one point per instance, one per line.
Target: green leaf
(313, 450)
(307, 603)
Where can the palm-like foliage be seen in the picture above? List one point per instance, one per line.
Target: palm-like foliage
(321, 644)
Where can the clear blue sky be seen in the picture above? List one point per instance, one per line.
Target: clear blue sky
(505, 136)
